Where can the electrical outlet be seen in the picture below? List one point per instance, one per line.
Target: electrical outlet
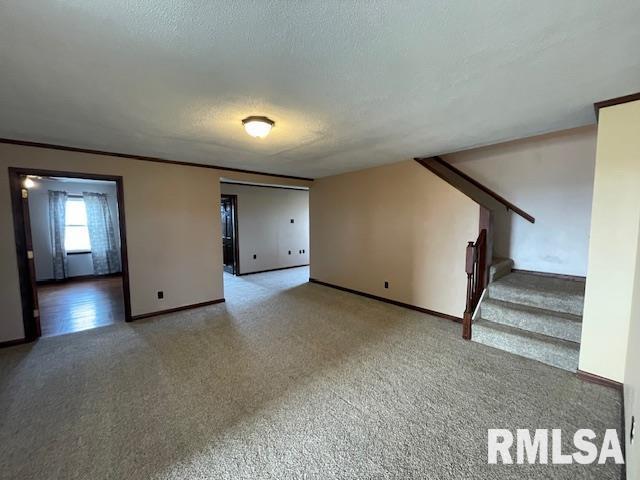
(303, 250)
(160, 294)
(292, 220)
(289, 252)
(255, 256)
(386, 284)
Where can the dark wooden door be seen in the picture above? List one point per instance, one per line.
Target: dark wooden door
(229, 233)
(24, 249)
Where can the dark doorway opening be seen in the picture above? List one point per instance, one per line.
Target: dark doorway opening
(229, 219)
(95, 293)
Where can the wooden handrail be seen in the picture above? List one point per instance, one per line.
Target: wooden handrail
(476, 269)
(475, 183)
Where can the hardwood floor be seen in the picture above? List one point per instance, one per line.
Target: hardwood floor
(79, 305)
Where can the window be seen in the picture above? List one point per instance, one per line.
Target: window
(76, 233)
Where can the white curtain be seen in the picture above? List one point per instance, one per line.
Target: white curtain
(57, 217)
(105, 251)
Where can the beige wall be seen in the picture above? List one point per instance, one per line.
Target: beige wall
(551, 177)
(172, 220)
(265, 228)
(614, 243)
(632, 379)
(398, 223)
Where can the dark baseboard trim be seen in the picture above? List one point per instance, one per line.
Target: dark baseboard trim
(78, 278)
(273, 270)
(11, 343)
(605, 382)
(387, 300)
(177, 309)
(25, 143)
(561, 276)
(592, 378)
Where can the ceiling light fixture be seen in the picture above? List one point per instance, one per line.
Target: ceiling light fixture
(28, 183)
(258, 127)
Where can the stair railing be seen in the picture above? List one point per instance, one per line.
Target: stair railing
(476, 268)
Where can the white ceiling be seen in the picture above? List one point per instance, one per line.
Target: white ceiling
(350, 84)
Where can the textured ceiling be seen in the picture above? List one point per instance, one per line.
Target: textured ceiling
(350, 84)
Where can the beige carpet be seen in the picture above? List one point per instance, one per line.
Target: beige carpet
(285, 380)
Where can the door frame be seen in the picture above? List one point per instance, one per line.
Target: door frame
(236, 244)
(24, 242)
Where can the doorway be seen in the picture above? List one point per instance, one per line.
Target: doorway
(229, 219)
(71, 248)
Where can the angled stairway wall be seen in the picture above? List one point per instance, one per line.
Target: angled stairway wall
(551, 177)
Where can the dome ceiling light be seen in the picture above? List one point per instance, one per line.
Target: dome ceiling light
(257, 126)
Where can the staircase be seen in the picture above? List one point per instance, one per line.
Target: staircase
(532, 316)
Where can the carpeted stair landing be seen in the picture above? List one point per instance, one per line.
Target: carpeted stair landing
(532, 316)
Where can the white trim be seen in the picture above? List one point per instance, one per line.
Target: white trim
(476, 312)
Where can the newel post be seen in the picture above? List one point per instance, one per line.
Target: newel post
(468, 311)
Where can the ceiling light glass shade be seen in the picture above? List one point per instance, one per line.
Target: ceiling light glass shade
(28, 183)
(258, 127)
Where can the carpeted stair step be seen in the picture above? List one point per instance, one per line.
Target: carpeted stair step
(500, 268)
(555, 294)
(532, 319)
(552, 351)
